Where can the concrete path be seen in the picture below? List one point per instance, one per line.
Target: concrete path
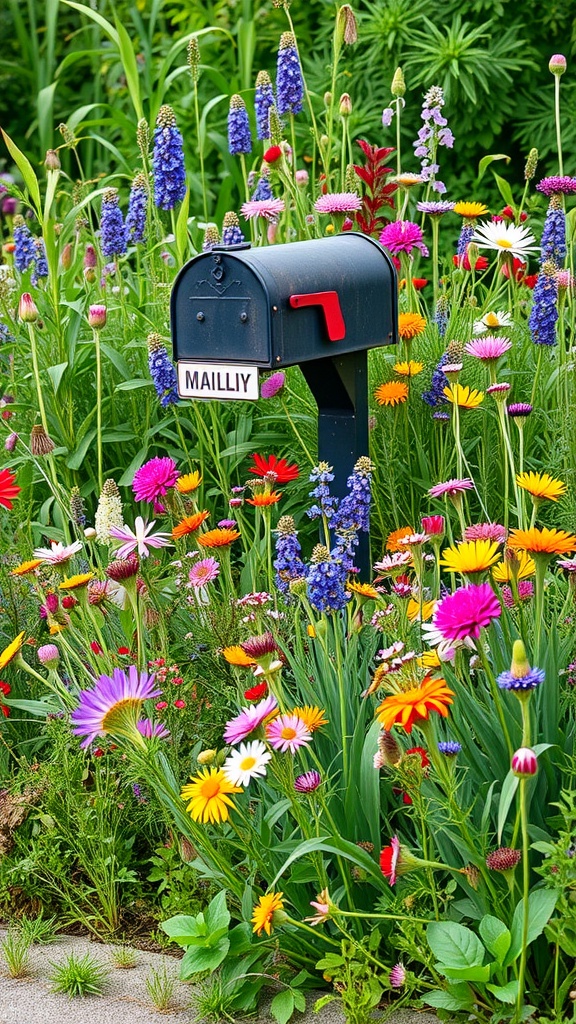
(125, 1000)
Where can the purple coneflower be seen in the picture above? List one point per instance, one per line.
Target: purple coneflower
(249, 719)
(488, 349)
(307, 782)
(267, 208)
(435, 208)
(403, 236)
(451, 488)
(113, 706)
(288, 733)
(338, 202)
(205, 571)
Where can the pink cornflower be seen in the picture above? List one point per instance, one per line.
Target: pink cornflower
(288, 732)
(394, 562)
(338, 202)
(403, 236)
(249, 719)
(267, 208)
(140, 537)
(525, 592)
(486, 531)
(273, 385)
(154, 479)
(451, 488)
(58, 553)
(498, 390)
(556, 185)
(488, 349)
(465, 612)
(205, 571)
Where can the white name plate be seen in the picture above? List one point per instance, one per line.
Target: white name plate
(217, 380)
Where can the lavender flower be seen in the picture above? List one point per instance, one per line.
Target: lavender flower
(436, 208)
(239, 138)
(288, 564)
(137, 207)
(466, 234)
(322, 476)
(433, 134)
(553, 241)
(544, 313)
(435, 395)
(289, 82)
(40, 268)
(162, 371)
(231, 233)
(326, 582)
(24, 248)
(263, 100)
(168, 161)
(112, 232)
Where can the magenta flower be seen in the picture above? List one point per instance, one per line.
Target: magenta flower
(154, 479)
(338, 202)
(205, 571)
(140, 538)
(48, 655)
(273, 385)
(267, 208)
(486, 531)
(288, 732)
(307, 782)
(434, 526)
(524, 762)
(152, 730)
(451, 488)
(397, 976)
(556, 185)
(403, 236)
(249, 719)
(465, 612)
(489, 349)
(499, 390)
(525, 593)
(113, 705)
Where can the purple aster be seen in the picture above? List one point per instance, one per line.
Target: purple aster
(162, 372)
(152, 730)
(40, 268)
(403, 236)
(113, 706)
(239, 137)
(435, 208)
(449, 748)
(533, 678)
(24, 248)
(288, 563)
(289, 82)
(273, 385)
(489, 348)
(307, 782)
(433, 134)
(338, 202)
(249, 719)
(137, 207)
(519, 410)
(263, 100)
(168, 161)
(557, 185)
(553, 241)
(112, 231)
(544, 312)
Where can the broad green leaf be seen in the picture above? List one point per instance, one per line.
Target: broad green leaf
(487, 160)
(182, 928)
(240, 939)
(34, 707)
(56, 373)
(465, 973)
(133, 385)
(454, 945)
(203, 959)
(322, 1002)
(504, 189)
(25, 167)
(455, 997)
(117, 360)
(77, 458)
(182, 229)
(282, 1006)
(339, 847)
(130, 67)
(505, 993)
(496, 936)
(217, 915)
(509, 787)
(541, 903)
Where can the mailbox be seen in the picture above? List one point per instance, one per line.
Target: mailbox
(320, 304)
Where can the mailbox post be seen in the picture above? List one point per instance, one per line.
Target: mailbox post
(320, 304)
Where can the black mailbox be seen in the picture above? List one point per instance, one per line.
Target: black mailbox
(320, 304)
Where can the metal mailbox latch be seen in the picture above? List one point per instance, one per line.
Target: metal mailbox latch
(332, 312)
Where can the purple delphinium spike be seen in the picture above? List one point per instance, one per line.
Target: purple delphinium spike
(231, 233)
(435, 395)
(263, 191)
(263, 100)
(553, 241)
(24, 247)
(442, 314)
(326, 504)
(326, 582)
(433, 134)
(40, 268)
(112, 231)
(544, 313)
(289, 82)
(466, 233)
(162, 371)
(288, 564)
(239, 137)
(168, 161)
(137, 208)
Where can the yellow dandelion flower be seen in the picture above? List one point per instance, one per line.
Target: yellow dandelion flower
(471, 556)
(11, 651)
(74, 582)
(363, 590)
(408, 369)
(208, 796)
(470, 210)
(313, 717)
(502, 572)
(410, 325)
(236, 656)
(413, 610)
(541, 485)
(189, 482)
(393, 393)
(263, 916)
(25, 567)
(464, 397)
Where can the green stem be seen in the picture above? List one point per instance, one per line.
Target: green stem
(200, 153)
(96, 336)
(558, 126)
(526, 893)
(495, 693)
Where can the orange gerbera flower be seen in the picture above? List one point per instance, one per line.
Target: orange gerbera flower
(313, 717)
(236, 656)
(263, 916)
(363, 590)
(263, 500)
(25, 567)
(410, 325)
(542, 542)
(189, 524)
(397, 535)
(393, 393)
(415, 705)
(218, 538)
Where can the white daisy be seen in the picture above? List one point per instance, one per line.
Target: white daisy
(247, 762)
(505, 238)
(492, 321)
(58, 553)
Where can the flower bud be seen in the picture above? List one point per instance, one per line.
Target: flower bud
(90, 257)
(520, 666)
(194, 59)
(97, 317)
(272, 155)
(434, 526)
(473, 255)
(90, 533)
(346, 26)
(557, 64)
(531, 164)
(27, 310)
(398, 87)
(11, 442)
(327, 99)
(206, 756)
(524, 762)
(48, 655)
(52, 160)
(302, 178)
(397, 976)
(66, 257)
(345, 105)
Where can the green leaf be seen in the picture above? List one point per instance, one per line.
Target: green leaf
(34, 707)
(339, 847)
(203, 959)
(457, 997)
(240, 939)
(25, 167)
(505, 993)
(322, 1002)
(487, 160)
(465, 973)
(454, 945)
(496, 936)
(181, 234)
(128, 58)
(182, 928)
(504, 189)
(509, 787)
(541, 903)
(282, 1006)
(117, 360)
(132, 385)
(77, 458)
(56, 373)
(217, 915)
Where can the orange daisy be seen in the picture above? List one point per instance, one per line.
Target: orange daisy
(542, 542)
(410, 325)
(415, 705)
(363, 590)
(189, 482)
(263, 916)
(218, 538)
(313, 717)
(263, 500)
(236, 656)
(25, 567)
(397, 535)
(189, 524)
(393, 393)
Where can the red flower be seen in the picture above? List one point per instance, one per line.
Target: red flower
(459, 261)
(8, 489)
(424, 759)
(180, 704)
(389, 860)
(273, 155)
(98, 752)
(530, 280)
(519, 268)
(419, 283)
(270, 464)
(69, 602)
(256, 692)
(123, 650)
(5, 690)
(95, 647)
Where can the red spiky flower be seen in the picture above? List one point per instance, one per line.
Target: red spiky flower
(264, 464)
(377, 194)
(8, 489)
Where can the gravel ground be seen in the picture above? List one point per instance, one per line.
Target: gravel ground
(125, 999)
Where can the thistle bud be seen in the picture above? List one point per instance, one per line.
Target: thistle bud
(324, 140)
(398, 87)
(48, 655)
(27, 310)
(194, 59)
(40, 443)
(531, 164)
(66, 257)
(524, 762)
(346, 26)
(97, 317)
(557, 64)
(345, 105)
(90, 257)
(302, 178)
(52, 160)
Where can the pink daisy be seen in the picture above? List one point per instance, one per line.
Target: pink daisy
(569, 564)
(451, 488)
(152, 730)
(465, 612)
(154, 478)
(488, 349)
(249, 719)
(403, 236)
(267, 208)
(140, 537)
(394, 562)
(338, 202)
(205, 571)
(499, 389)
(288, 732)
(486, 531)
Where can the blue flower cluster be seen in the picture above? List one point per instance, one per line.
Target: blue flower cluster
(263, 100)
(40, 267)
(442, 314)
(544, 312)
(322, 476)
(354, 510)
(289, 81)
(464, 239)
(533, 678)
(231, 232)
(239, 137)
(24, 247)
(434, 133)
(288, 563)
(137, 208)
(435, 395)
(326, 582)
(263, 190)
(168, 161)
(5, 334)
(449, 748)
(112, 231)
(162, 372)
(553, 242)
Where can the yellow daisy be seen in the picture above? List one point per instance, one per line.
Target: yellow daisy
(236, 656)
(471, 556)
(429, 659)
(363, 590)
(189, 482)
(73, 582)
(393, 393)
(413, 609)
(313, 717)
(541, 485)
(263, 916)
(464, 397)
(11, 651)
(408, 369)
(208, 794)
(470, 210)
(25, 567)
(502, 572)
